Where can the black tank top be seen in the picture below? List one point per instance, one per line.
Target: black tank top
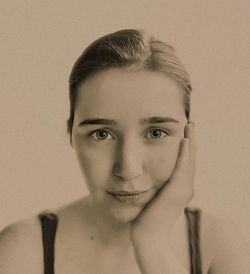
(49, 224)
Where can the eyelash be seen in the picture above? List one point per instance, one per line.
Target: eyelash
(94, 134)
(164, 131)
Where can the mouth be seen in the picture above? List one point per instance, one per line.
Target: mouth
(127, 196)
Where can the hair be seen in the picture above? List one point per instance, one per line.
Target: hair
(132, 49)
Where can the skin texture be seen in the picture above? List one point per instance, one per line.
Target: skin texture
(165, 209)
(130, 155)
(130, 159)
(99, 234)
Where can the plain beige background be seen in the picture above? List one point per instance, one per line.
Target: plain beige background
(40, 40)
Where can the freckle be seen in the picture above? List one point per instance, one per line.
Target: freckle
(91, 238)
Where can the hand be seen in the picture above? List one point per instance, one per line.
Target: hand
(156, 221)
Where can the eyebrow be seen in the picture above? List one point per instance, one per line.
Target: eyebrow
(98, 122)
(157, 119)
(150, 120)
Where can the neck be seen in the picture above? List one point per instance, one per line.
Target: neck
(106, 228)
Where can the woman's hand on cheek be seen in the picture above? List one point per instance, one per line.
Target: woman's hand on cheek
(151, 230)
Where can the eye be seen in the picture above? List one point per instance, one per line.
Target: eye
(156, 133)
(102, 135)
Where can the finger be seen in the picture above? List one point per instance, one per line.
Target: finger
(186, 131)
(192, 146)
(182, 160)
(189, 129)
(176, 188)
(172, 198)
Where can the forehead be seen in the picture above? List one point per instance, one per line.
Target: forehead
(122, 93)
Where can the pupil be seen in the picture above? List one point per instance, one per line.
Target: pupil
(102, 134)
(156, 133)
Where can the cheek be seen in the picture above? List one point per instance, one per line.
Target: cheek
(162, 162)
(96, 165)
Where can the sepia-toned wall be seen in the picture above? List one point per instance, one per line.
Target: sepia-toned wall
(40, 42)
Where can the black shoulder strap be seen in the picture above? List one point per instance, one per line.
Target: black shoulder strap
(193, 218)
(49, 224)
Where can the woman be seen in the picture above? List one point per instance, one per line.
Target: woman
(130, 127)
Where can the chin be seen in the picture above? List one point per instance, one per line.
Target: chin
(126, 215)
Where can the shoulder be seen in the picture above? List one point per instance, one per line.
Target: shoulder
(21, 248)
(223, 245)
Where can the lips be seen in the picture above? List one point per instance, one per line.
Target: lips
(123, 192)
(127, 196)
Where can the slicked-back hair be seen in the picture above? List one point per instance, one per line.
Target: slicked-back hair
(132, 49)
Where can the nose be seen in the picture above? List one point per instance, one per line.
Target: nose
(129, 162)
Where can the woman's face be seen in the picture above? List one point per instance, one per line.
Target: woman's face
(126, 134)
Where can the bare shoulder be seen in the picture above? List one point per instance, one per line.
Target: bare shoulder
(223, 246)
(21, 247)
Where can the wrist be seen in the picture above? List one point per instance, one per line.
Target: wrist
(157, 260)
